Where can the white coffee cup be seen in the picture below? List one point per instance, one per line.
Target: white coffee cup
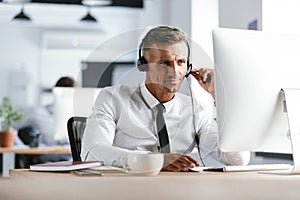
(145, 164)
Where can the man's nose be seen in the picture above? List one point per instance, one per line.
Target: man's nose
(173, 68)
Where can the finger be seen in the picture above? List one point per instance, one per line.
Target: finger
(191, 159)
(178, 164)
(195, 71)
(203, 73)
(208, 78)
(186, 169)
(197, 76)
(207, 74)
(187, 162)
(170, 168)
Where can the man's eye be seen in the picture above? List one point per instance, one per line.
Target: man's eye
(165, 63)
(181, 61)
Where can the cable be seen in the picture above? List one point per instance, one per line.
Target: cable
(197, 138)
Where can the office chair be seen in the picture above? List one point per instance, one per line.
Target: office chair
(76, 126)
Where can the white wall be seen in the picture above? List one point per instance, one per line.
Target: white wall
(205, 18)
(180, 15)
(272, 15)
(19, 56)
(238, 13)
(281, 15)
(167, 12)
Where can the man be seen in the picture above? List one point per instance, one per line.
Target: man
(41, 119)
(127, 120)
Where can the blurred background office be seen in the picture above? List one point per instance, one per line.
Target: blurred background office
(60, 38)
(41, 118)
(38, 130)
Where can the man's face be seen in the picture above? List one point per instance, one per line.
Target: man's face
(167, 66)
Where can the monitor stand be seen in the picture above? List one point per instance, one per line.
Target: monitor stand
(292, 102)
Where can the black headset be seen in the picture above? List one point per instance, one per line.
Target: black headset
(142, 63)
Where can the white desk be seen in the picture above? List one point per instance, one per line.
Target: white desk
(8, 155)
(192, 185)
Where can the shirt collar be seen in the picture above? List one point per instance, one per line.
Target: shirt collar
(149, 98)
(152, 101)
(168, 105)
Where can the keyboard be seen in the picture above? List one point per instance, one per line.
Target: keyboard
(245, 168)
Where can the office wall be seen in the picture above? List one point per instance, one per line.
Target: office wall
(19, 62)
(239, 13)
(167, 12)
(205, 17)
(272, 15)
(281, 15)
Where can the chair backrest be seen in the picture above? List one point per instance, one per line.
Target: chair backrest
(76, 126)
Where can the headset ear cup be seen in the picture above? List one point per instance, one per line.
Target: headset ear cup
(189, 68)
(142, 64)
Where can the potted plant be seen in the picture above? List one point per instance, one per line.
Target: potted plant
(8, 116)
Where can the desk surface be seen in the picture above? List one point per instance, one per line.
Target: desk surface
(41, 150)
(116, 185)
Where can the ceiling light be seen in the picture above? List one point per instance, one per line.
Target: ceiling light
(22, 16)
(97, 2)
(88, 17)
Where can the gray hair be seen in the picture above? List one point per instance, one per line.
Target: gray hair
(163, 35)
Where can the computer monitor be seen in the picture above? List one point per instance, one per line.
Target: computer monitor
(69, 102)
(102, 74)
(251, 68)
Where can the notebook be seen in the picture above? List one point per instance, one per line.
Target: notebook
(65, 165)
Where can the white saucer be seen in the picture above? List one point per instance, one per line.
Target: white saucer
(151, 173)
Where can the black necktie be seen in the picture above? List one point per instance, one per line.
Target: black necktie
(162, 130)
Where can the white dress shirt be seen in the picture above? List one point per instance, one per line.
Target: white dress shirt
(123, 122)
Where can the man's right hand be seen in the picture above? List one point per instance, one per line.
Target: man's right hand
(201, 75)
(178, 162)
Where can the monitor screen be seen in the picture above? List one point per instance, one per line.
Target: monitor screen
(102, 74)
(251, 67)
(69, 102)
